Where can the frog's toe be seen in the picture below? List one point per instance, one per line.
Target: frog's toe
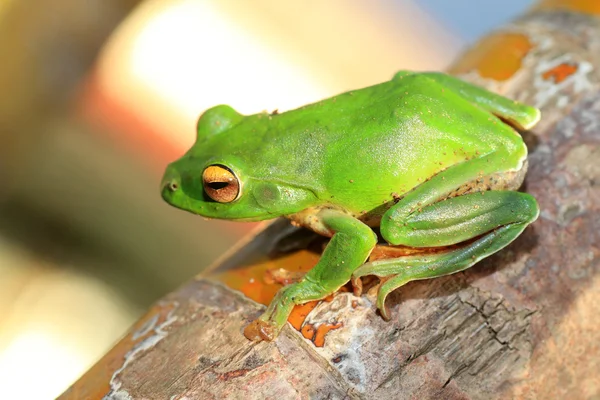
(357, 286)
(359, 273)
(259, 330)
(387, 287)
(383, 310)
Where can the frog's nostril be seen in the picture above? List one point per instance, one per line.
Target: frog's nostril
(172, 185)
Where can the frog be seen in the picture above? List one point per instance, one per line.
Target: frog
(426, 159)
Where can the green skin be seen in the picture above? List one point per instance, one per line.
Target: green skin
(413, 156)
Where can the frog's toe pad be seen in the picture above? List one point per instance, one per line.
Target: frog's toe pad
(259, 330)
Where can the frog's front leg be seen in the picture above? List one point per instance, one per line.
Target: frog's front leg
(351, 243)
(425, 218)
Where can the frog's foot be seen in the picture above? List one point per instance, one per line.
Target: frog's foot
(400, 271)
(259, 330)
(387, 284)
(271, 322)
(384, 289)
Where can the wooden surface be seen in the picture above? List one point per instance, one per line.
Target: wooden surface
(521, 324)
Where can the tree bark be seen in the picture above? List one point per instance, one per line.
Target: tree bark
(523, 323)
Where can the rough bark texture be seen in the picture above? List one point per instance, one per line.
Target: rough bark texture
(523, 323)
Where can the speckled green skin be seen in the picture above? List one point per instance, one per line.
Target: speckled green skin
(408, 155)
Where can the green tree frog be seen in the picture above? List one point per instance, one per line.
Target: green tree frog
(430, 160)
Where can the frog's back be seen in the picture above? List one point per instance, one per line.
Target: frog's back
(361, 148)
(390, 137)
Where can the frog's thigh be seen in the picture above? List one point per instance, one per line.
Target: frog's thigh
(458, 219)
(396, 224)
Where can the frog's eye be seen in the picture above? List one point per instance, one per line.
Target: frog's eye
(220, 184)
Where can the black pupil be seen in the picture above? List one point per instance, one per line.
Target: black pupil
(217, 185)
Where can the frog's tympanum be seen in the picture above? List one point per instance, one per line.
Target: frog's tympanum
(430, 160)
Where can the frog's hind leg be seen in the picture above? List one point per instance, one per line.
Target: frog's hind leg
(519, 115)
(494, 218)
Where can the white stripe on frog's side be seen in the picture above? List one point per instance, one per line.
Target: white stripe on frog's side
(309, 218)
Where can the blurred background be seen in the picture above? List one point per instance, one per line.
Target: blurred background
(97, 96)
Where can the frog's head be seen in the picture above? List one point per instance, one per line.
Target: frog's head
(216, 179)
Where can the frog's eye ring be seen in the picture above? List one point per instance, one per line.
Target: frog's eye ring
(220, 183)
